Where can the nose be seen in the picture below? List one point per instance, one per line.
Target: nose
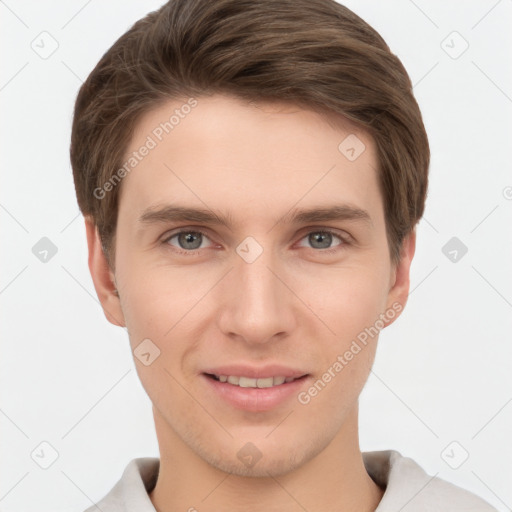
(256, 305)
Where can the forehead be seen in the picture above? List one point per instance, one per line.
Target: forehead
(252, 157)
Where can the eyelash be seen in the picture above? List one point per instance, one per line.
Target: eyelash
(330, 250)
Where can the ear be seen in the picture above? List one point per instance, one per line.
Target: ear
(400, 277)
(103, 277)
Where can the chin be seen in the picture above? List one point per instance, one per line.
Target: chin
(272, 466)
(263, 458)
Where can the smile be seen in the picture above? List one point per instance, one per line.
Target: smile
(249, 382)
(254, 394)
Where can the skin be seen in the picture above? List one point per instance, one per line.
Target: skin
(294, 305)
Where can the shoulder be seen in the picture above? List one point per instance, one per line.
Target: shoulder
(409, 488)
(130, 493)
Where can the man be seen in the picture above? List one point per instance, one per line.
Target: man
(251, 174)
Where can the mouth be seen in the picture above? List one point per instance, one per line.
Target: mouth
(251, 382)
(254, 394)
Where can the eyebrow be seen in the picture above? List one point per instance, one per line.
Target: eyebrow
(176, 213)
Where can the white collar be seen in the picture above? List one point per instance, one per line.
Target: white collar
(408, 488)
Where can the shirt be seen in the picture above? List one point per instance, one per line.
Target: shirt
(408, 488)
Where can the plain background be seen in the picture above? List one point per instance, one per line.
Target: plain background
(441, 384)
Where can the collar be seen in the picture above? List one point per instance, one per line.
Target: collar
(408, 487)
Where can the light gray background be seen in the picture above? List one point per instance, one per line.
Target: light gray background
(442, 372)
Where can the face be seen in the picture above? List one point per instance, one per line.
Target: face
(251, 246)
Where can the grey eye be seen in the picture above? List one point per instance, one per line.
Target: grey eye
(320, 240)
(188, 240)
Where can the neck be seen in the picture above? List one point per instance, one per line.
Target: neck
(335, 479)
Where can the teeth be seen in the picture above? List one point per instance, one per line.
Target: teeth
(249, 382)
(265, 383)
(246, 382)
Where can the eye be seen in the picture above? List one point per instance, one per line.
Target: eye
(323, 239)
(187, 240)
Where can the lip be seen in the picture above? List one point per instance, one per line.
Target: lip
(255, 399)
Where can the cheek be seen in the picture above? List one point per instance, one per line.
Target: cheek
(156, 296)
(346, 299)
(160, 304)
(352, 309)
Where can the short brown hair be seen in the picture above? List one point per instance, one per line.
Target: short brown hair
(313, 53)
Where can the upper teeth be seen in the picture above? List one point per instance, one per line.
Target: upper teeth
(248, 382)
